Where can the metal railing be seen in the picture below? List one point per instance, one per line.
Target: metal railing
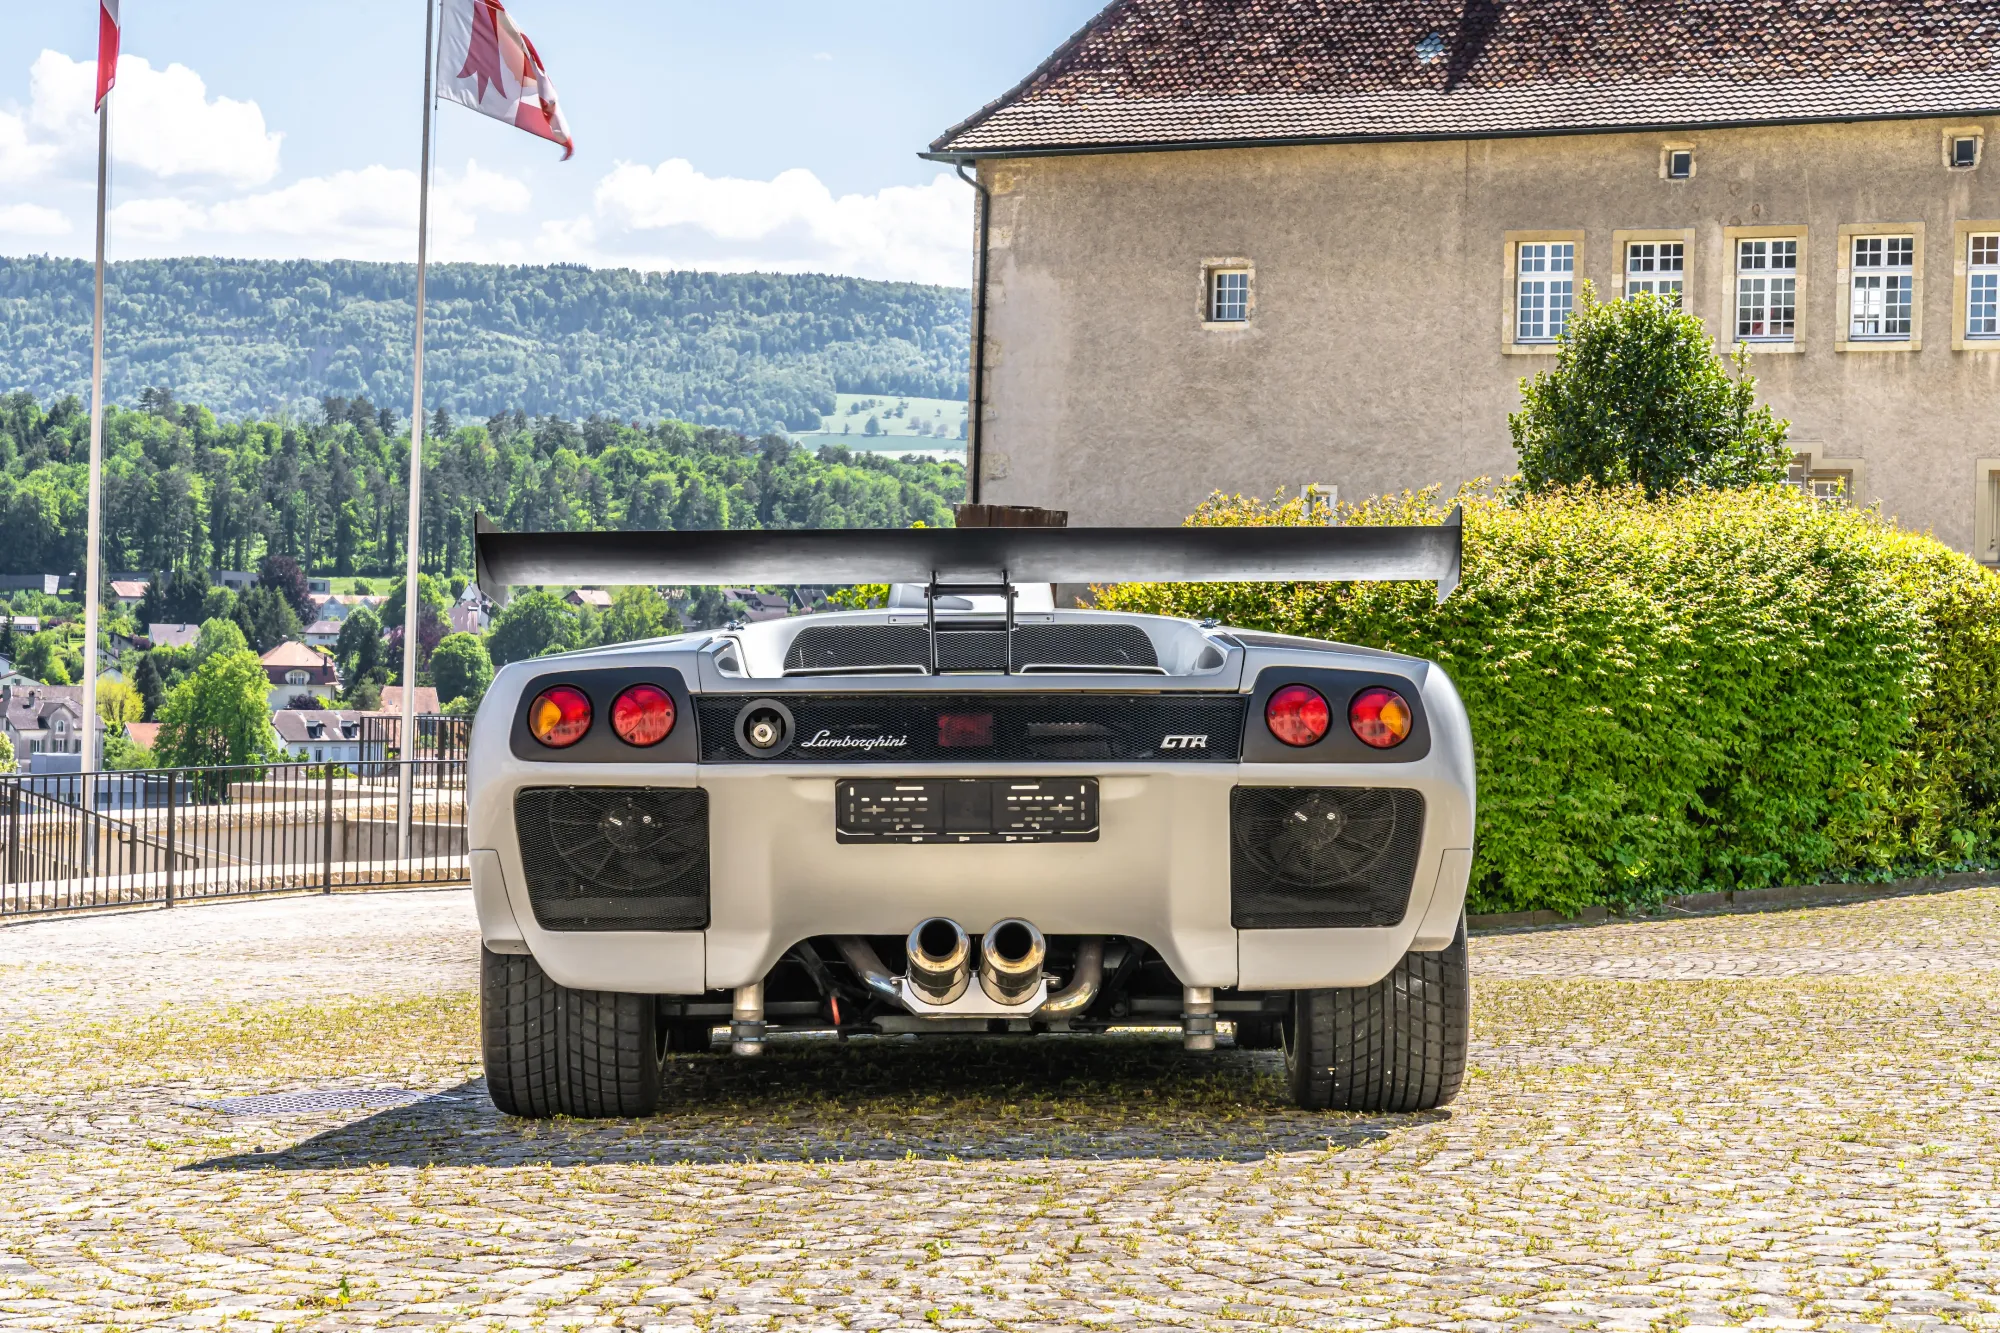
(70, 843)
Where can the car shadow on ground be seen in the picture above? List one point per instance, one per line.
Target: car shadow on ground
(879, 1098)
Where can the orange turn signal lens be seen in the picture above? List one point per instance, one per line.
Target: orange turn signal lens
(559, 716)
(1380, 717)
(643, 715)
(1298, 715)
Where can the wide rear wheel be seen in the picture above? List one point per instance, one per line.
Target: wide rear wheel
(1398, 1045)
(550, 1050)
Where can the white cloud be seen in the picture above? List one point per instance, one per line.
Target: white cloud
(32, 220)
(365, 214)
(163, 122)
(674, 216)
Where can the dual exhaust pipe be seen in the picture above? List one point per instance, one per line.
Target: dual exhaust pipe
(1010, 961)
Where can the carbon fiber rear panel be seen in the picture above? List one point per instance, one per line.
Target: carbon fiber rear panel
(1322, 857)
(1037, 647)
(995, 728)
(615, 858)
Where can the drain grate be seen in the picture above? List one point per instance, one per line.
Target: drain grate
(302, 1103)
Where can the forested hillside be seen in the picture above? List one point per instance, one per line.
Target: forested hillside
(185, 491)
(751, 352)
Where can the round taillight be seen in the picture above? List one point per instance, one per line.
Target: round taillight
(1298, 715)
(643, 715)
(1380, 717)
(559, 716)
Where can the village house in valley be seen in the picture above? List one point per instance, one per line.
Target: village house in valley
(1244, 244)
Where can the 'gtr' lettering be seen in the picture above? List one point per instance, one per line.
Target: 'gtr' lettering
(1184, 743)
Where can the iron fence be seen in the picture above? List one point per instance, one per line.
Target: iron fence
(70, 842)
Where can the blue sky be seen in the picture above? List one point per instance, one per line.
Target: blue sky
(760, 134)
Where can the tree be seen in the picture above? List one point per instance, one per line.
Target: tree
(8, 646)
(151, 683)
(218, 715)
(358, 650)
(282, 574)
(218, 637)
(532, 624)
(216, 604)
(428, 588)
(461, 668)
(1639, 396)
(873, 426)
(266, 618)
(432, 604)
(637, 613)
(6, 755)
(118, 703)
(42, 658)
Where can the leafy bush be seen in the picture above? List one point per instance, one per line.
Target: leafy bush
(1638, 395)
(1715, 689)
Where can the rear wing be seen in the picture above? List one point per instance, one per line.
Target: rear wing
(968, 559)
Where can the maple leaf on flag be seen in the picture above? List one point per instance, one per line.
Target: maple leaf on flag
(498, 72)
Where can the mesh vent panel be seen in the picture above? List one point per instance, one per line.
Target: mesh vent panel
(615, 858)
(832, 648)
(1115, 728)
(1322, 857)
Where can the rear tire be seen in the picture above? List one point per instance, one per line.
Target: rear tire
(1398, 1045)
(552, 1050)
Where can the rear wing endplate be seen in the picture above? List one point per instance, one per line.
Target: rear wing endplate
(995, 558)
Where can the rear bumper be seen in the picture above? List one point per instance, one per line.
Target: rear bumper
(1159, 872)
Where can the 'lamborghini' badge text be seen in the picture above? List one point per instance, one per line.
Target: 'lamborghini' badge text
(826, 740)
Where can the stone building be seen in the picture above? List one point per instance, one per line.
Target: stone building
(1244, 244)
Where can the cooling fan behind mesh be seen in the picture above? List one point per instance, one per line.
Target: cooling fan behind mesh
(615, 858)
(1309, 857)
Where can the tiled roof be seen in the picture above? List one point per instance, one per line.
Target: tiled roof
(392, 699)
(1150, 73)
(292, 653)
(172, 636)
(300, 726)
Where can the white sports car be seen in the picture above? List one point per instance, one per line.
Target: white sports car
(971, 812)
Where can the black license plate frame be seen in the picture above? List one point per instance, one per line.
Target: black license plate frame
(965, 810)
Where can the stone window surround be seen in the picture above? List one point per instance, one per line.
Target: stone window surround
(1508, 326)
(1818, 463)
(1685, 235)
(1986, 510)
(1667, 151)
(1977, 133)
(1781, 232)
(1961, 234)
(1227, 264)
(1844, 288)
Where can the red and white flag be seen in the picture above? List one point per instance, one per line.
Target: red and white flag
(107, 49)
(488, 64)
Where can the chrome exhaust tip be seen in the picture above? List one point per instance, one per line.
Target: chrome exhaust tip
(940, 960)
(1010, 961)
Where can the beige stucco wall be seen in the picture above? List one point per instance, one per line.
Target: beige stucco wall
(1375, 358)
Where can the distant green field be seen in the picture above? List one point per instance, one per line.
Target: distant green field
(920, 423)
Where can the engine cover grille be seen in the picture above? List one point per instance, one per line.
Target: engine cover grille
(615, 858)
(831, 649)
(1322, 857)
(902, 728)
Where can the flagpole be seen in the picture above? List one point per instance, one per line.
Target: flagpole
(405, 791)
(92, 564)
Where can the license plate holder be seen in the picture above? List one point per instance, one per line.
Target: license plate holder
(966, 810)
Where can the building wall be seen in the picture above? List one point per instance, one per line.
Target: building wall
(1376, 357)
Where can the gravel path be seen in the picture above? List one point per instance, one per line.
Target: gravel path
(1781, 1121)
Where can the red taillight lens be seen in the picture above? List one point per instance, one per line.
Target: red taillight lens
(1298, 715)
(559, 716)
(1380, 717)
(643, 715)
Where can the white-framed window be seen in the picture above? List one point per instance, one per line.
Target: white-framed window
(1884, 277)
(1229, 296)
(297, 678)
(1545, 277)
(1767, 289)
(1654, 266)
(1680, 163)
(1982, 286)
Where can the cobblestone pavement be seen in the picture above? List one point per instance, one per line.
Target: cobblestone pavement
(1683, 1125)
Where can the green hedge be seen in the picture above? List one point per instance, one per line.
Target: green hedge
(1715, 689)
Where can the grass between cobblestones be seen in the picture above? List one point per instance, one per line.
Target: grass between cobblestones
(1767, 1152)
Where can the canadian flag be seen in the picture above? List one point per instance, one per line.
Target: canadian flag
(488, 64)
(107, 49)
